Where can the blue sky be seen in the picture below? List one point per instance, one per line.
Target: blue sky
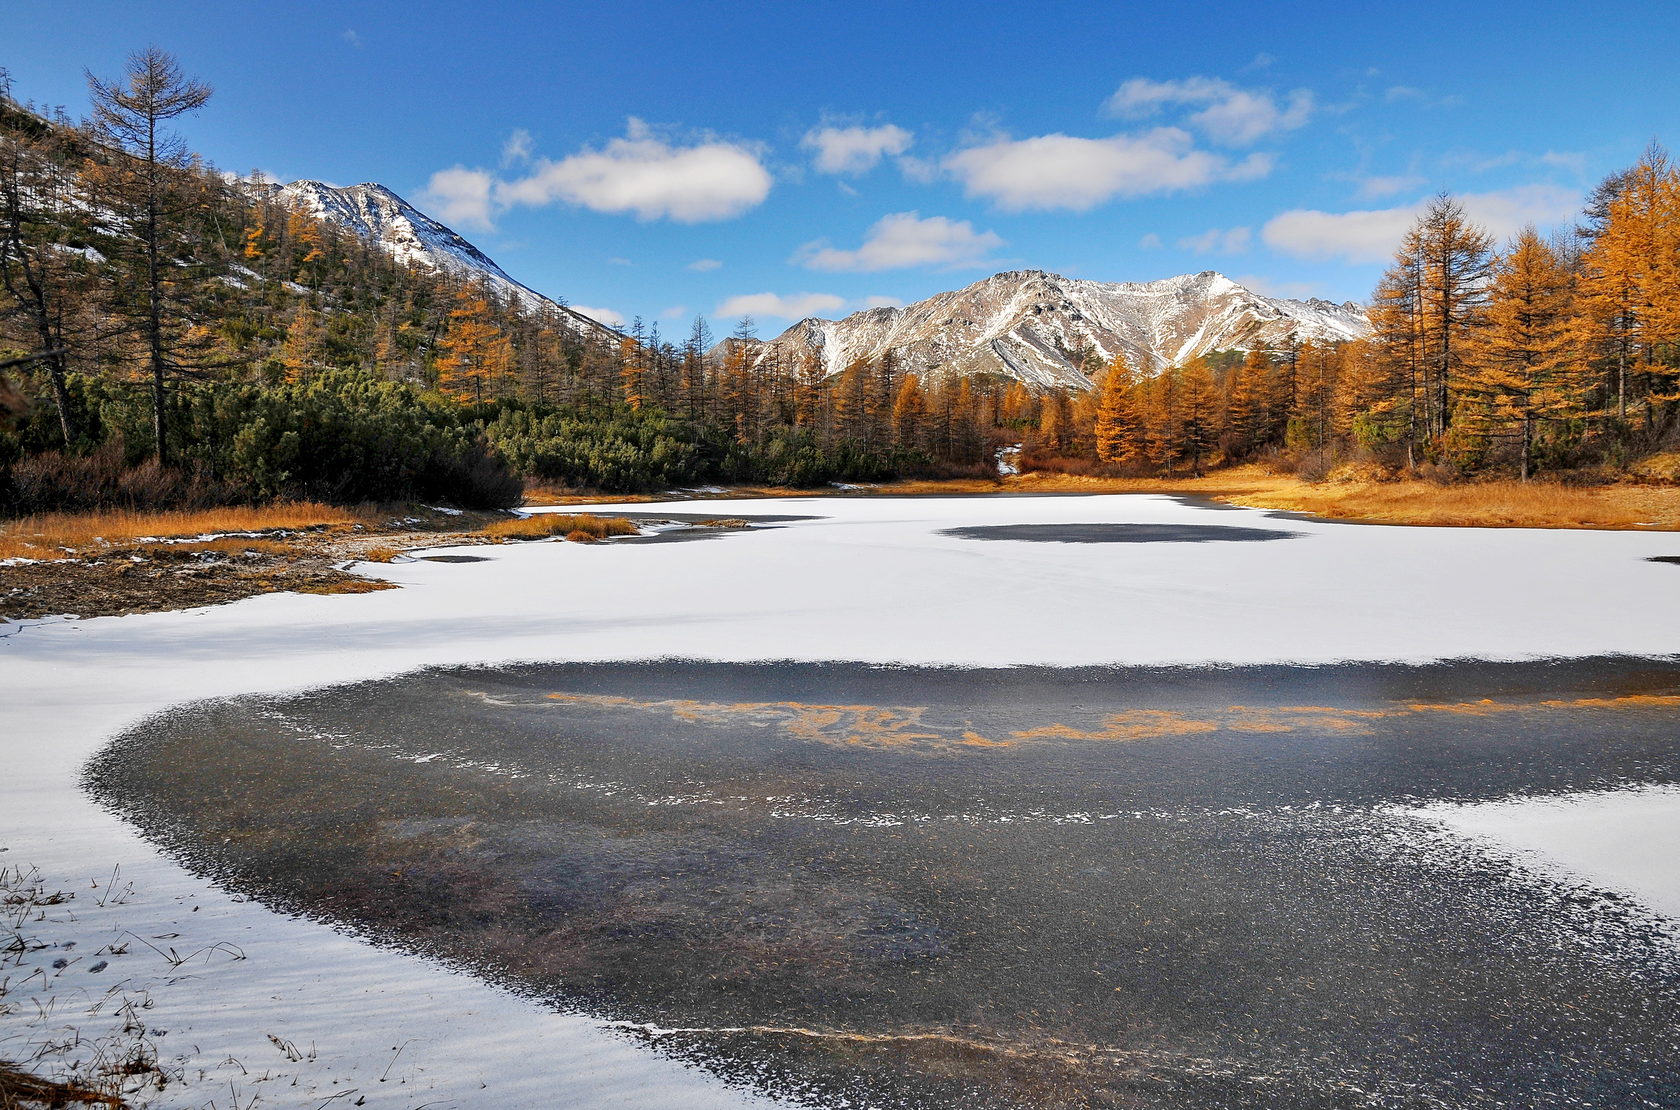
(667, 159)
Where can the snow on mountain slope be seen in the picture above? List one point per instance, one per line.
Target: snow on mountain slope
(412, 237)
(1023, 324)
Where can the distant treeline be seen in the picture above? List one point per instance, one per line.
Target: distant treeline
(1557, 354)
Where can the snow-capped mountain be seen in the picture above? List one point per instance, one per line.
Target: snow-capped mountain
(412, 237)
(1022, 324)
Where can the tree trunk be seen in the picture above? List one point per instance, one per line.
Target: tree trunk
(154, 306)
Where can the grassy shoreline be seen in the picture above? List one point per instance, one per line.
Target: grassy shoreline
(1495, 504)
(116, 563)
(100, 564)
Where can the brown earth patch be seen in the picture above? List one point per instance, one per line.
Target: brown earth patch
(100, 567)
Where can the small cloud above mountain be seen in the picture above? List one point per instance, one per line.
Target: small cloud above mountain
(903, 240)
(854, 150)
(1226, 113)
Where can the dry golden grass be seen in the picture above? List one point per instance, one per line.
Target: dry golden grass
(21, 1090)
(580, 536)
(545, 525)
(1506, 504)
(346, 586)
(550, 496)
(60, 535)
(1662, 468)
(1359, 496)
(1501, 504)
(380, 554)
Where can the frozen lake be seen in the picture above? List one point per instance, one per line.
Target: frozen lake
(862, 580)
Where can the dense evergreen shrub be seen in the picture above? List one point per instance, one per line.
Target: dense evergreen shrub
(620, 450)
(344, 436)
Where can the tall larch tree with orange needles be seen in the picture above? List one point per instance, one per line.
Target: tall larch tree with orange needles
(1055, 423)
(909, 414)
(1119, 424)
(1246, 399)
(1520, 368)
(1198, 407)
(633, 369)
(1312, 425)
(303, 353)
(1017, 408)
(473, 351)
(1457, 257)
(1627, 318)
(1158, 404)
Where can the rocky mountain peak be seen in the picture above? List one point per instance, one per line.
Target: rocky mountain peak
(1030, 325)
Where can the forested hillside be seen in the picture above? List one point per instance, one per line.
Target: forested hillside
(174, 336)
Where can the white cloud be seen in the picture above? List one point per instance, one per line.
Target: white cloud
(854, 150)
(605, 315)
(1373, 235)
(1387, 186)
(1366, 236)
(1396, 94)
(1483, 163)
(881, 302)
(460, 197)
(1150, 242)
(650, 178)
(905, 239)
(1564, 160)
(675, 312)
(922, 171)
(1229, 115)
(1141, 97)
(1218, 241)
(517, 148)
(1062, 171)
(704, 265)
(350, 36)
(1508, 211)
(1247, 117)
(617, 261)
(790, 306)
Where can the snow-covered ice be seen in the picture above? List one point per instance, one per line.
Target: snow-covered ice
(872, 580)
(1621, 840)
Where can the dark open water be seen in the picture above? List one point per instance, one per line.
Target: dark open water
(925, 887)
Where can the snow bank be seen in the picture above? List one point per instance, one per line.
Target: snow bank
(1619, 840)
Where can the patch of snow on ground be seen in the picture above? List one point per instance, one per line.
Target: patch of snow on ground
(1619, 840)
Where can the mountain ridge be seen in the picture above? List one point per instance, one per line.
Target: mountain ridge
(378, 214)
(1025, 324)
